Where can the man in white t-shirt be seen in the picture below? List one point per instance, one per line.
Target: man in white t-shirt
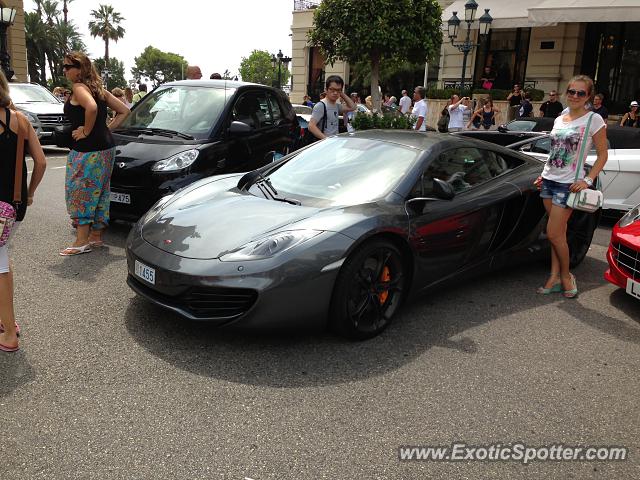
(456, 113)
(420, 109)
(405, 103)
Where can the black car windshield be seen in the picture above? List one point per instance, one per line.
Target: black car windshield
(31, 94)
(521, 125)
(185, 109)
(345, 170)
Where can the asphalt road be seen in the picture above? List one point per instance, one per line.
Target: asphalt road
(107, 386)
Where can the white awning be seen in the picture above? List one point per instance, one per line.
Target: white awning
(551, 12)
(506, 14)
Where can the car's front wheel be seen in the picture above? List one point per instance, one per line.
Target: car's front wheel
(368, 291)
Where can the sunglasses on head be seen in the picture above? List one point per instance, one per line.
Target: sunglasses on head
(69, 66)
(574, 93)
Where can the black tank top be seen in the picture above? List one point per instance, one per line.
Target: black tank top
(631, 122)
(100, 137)
(488, 118)
(8, 145)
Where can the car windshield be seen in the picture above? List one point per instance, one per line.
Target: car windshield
(345, 170)
(189, 110)
(31, 94)
(302, 109)
(521, 125)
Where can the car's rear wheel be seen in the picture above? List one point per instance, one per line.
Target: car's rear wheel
(368, 291)
(580, 230)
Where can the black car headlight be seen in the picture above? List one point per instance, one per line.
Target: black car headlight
(177, 162)
(270, 246)
(631, 216)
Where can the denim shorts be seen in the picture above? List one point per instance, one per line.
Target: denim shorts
(557, 192)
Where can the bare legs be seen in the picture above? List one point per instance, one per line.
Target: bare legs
(9, 337)
(557, 235)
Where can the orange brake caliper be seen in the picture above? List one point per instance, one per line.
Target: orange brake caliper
(385, 276)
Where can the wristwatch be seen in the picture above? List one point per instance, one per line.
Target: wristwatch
(588, 181)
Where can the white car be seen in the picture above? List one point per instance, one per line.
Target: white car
(620, 178)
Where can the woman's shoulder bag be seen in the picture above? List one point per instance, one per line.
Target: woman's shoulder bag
(587, 200)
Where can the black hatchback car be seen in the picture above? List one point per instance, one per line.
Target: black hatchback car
(187, 130)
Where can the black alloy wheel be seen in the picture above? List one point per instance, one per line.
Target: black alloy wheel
(580, 230)
(368, 291)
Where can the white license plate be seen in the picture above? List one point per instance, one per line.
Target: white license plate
(120, 197)
(633, 288)
(148, 274)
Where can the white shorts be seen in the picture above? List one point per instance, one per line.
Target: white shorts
(4, 251)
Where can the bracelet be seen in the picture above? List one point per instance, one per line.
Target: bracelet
(588, 181)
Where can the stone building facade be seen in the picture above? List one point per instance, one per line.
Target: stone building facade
(17, 46)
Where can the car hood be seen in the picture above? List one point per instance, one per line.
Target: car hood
(134, 152)
(216, 218)
(41, 107)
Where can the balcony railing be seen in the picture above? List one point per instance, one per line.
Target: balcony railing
(305, 4)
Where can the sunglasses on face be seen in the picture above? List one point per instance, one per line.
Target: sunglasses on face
(69, 66)
(578, 93)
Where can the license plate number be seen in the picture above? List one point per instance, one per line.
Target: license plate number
(148, 274)
(120, 197)
(633, 288)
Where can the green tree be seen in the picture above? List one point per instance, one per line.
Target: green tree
(159, 66)
(258, 68)
(106, 26)
(36, 38)
(116, 72)
(384, 30)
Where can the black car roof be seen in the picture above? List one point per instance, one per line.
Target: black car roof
(623, 137)
(215, 83)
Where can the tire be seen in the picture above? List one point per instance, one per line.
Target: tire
(580, 232)
(369, 290)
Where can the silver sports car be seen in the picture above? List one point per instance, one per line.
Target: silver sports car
(342, 232)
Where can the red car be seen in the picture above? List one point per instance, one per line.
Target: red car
(624, 253)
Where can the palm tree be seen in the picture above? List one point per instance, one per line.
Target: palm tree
(106, 26)
(50, 11)
(65, 10)
(36, 37)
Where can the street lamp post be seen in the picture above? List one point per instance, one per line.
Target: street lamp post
(465, 47)
(7, 17)
(278, 60)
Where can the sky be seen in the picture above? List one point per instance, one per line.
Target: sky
(213, 34)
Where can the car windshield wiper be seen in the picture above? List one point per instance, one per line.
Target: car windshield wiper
(265, 186)
(154, 131)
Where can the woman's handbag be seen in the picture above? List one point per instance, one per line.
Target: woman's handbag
(587, 200)
(8, 211)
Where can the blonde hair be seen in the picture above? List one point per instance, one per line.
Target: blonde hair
(5, 99)
(117, 92)
(588, 81)
(88, 73)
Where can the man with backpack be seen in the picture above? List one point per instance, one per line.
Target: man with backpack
(324, 118)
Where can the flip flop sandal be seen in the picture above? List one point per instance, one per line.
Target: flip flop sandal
(8, 349)
(71, 251)
(96, 244)
(17, 329)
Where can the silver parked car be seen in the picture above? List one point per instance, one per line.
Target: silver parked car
(42, 108)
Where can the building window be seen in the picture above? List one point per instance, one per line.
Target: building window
(316, 74)
(505, 53)
(612, 58)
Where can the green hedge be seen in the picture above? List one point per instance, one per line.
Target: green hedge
(365, 121)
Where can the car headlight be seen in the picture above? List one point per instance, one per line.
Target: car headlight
(31, 117)
(270, 246)
(631, 216)
(177, 162)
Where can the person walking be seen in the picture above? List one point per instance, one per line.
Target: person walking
(456, 113)
(90, 161)
(324, 116)
(515, 99)
(405, 103)
(420, 109)
(552, 107)
(631, 118)
(15, 129)
(558, 177)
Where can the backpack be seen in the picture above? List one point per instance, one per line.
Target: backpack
(443, 123)
(309, 137)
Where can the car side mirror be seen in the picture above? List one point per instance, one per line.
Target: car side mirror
(443, 190)
(239, 128)
(503, 128)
